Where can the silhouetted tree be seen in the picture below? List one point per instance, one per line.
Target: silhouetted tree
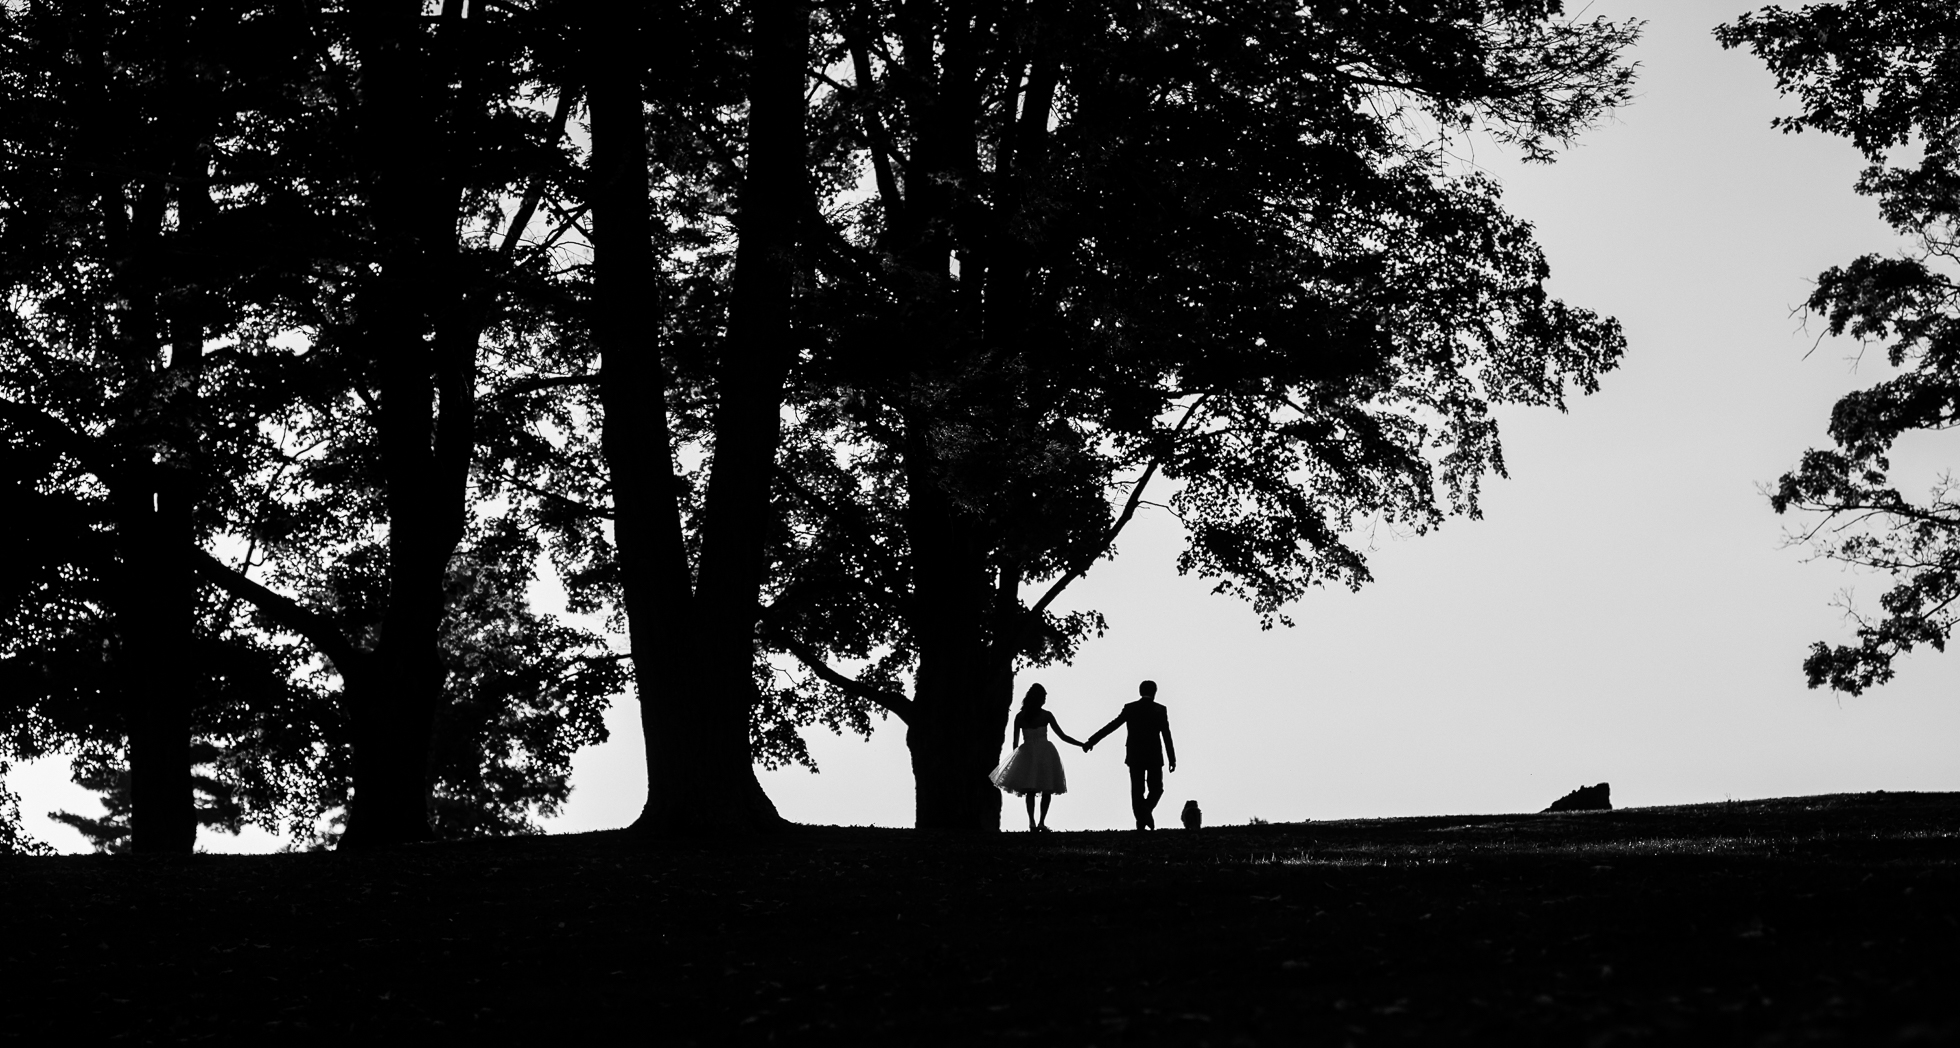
(254, 254)
(447, 158)
(1224, 244)
(116, 246)
(691, 565)
(1886, 75)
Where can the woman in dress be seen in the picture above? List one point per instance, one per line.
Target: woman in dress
(1035, 767)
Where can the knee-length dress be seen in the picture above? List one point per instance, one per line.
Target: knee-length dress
(1036, 767)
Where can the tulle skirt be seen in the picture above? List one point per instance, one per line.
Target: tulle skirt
(1034, 768)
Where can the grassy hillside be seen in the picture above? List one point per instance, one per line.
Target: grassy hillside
(1807, 919)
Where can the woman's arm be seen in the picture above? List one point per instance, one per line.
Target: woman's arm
(1059, 733)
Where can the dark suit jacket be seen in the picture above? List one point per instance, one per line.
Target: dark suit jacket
(1148, 722)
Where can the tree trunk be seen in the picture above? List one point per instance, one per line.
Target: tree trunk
(962, 699)
(155, 623)
(963, 687)
(154, 502)
(161, 685)
(393, 711)
(694, 644)
(636, 434)
(737, 517)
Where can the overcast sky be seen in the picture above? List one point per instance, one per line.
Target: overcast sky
(1627, 611)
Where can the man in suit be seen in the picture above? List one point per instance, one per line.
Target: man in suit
(1147, 721)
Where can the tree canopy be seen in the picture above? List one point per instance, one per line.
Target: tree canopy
(1884, 74)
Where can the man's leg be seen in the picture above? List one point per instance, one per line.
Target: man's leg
(1138, 775)
(1155, 781)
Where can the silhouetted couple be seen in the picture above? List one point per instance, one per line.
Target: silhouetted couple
(1035, 768)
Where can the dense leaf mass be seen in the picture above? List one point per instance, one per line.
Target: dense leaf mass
(1884, 74)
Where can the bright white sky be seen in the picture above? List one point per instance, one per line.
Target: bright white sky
(1626, 612)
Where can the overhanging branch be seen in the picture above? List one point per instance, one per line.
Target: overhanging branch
(897, 705)
(1086, 561)
(321, 630)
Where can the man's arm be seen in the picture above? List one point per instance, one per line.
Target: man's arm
(1107, 728)
(1170, 748)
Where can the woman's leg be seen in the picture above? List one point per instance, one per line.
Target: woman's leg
(1044, 811)
(1045, 798)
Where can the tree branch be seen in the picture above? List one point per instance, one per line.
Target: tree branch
(897, 705)
(535, 191)
(882, 150)
(321, 630)
(1084, 563)
(582, 508)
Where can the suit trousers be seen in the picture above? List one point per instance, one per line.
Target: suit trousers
(1146, 789)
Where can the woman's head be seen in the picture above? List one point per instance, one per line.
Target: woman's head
(1037, 697)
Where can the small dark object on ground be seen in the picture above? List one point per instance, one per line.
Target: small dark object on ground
(1586, 798)
(1193, 818)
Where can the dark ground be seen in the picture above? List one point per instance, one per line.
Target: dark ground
(1790, 921)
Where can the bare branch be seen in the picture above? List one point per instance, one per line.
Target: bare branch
(1083, 564)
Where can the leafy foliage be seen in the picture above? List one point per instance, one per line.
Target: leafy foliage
(524, 694)
(1884, 74)
(1221, 243)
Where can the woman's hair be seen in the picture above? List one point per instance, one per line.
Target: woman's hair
(1035, 691)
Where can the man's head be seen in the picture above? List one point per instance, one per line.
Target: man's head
(1148, 689)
